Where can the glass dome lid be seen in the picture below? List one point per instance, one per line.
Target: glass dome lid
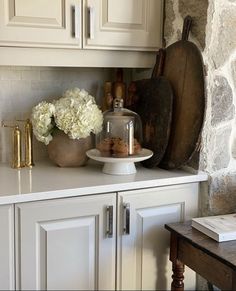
(121, 135)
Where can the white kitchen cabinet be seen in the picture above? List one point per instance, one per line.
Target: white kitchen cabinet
(85, 33)
(143, 243)
(64, 245)
(7, 281)
(128, 25)
(109, 24)
(40, 23)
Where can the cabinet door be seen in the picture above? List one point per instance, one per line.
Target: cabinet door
(40, 23)
(63, 244)
(143, 254)
(129, 25)
(7, 281)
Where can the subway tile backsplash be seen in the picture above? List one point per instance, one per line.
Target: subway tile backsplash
(21, 88)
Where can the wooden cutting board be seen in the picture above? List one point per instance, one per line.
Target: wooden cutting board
(153, 99)
(184, 69)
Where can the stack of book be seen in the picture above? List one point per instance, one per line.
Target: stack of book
(221, 227)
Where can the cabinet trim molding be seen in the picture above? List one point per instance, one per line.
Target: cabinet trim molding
(14, 56)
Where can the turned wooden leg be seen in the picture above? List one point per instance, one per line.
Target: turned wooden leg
(178, 276)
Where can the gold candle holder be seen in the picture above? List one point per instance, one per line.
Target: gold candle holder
(16, 146)
(28, 142)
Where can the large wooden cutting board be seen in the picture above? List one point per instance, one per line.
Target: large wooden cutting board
(153, 99)
(184, 69)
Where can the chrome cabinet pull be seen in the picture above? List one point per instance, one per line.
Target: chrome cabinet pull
(91, 17)
(109, 224)
(126, 218)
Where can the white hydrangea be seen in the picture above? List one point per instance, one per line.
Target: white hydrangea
(75, 113)
(42, 121)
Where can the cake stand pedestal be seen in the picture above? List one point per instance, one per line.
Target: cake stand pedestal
(119, 166)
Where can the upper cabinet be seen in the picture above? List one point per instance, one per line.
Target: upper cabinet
(73, 26)
(40, 23)
(126, 25)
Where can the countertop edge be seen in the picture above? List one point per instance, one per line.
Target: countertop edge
(101, 189)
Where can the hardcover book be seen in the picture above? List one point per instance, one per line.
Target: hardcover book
(220, 228)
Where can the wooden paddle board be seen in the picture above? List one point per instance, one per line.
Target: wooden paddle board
(183, 67)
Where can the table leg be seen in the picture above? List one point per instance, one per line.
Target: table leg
(178, 276)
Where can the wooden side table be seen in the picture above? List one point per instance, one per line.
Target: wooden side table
(216, 262)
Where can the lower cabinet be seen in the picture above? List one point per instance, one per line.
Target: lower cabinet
(101, 242)
(143, 243)
(7, 280)
(64, 245)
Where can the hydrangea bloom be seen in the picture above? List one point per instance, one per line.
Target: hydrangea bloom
(75, 113)
(42, 121)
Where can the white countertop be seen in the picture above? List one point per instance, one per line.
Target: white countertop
(46, 181)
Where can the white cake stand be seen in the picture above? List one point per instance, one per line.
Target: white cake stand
(119, 166)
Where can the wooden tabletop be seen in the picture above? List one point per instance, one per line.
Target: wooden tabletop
(223, 251)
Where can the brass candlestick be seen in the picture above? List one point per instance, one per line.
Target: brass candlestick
(16, 146)
(28, 142)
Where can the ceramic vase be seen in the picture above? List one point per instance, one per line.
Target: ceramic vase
(66, 152)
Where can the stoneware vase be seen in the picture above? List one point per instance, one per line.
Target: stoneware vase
(66, 152)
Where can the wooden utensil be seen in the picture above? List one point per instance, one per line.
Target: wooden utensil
(152, 99)
(184, 69)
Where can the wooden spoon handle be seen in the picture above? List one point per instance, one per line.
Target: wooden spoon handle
(186, 27)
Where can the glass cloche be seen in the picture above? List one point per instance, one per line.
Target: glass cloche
(121, 135)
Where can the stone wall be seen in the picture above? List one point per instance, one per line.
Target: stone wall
(214, 23)
(213, 30)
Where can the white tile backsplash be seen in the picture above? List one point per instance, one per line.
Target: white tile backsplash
(23, 87)
(10, 74)
(32, 74)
